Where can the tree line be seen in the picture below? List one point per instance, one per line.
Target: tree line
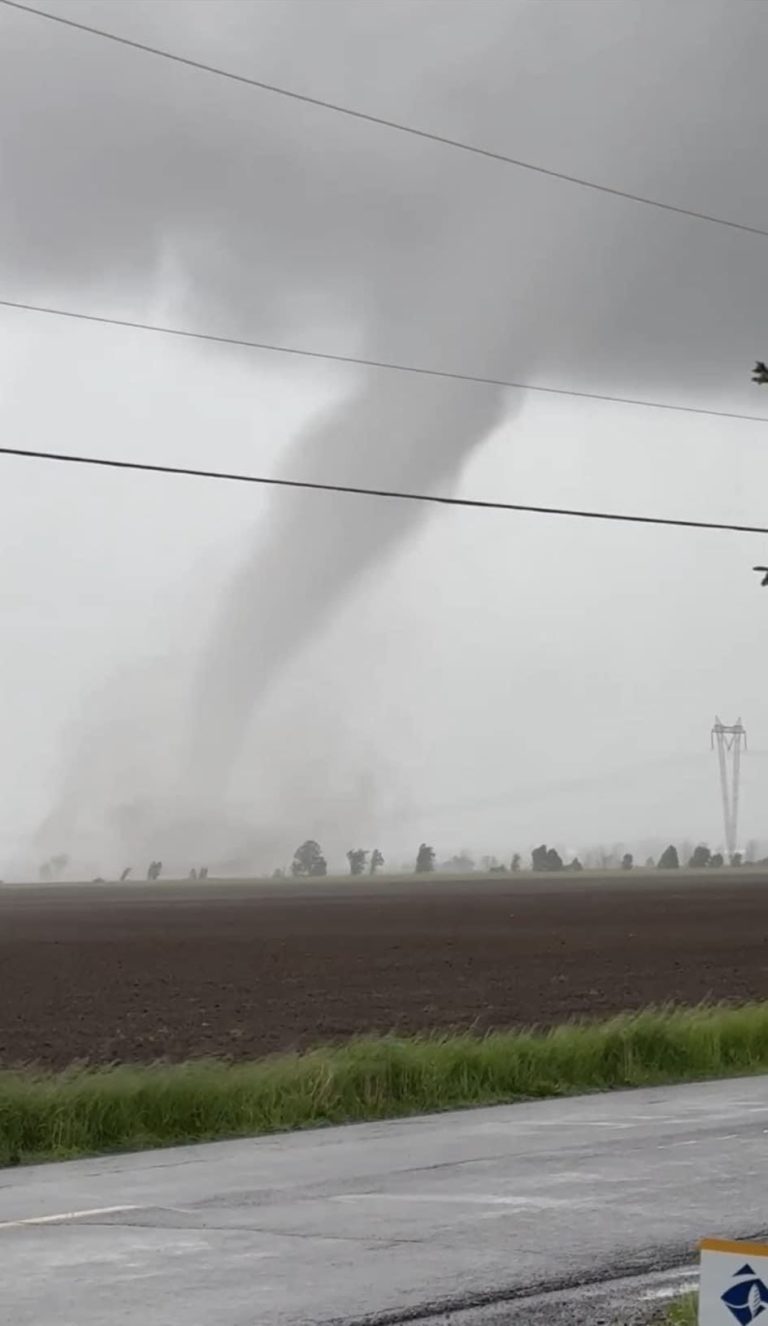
(309, 861)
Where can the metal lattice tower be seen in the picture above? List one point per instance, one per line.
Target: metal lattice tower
(730, 740)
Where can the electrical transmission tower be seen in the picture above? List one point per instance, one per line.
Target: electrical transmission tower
(730, 739)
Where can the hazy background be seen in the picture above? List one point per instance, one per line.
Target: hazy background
(205, 671)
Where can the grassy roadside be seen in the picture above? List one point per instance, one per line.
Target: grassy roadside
(683, 1312)
(86, 1111)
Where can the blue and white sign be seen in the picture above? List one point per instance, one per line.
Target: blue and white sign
(733, 1284)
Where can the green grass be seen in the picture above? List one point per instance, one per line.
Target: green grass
(683, 1312)
(89, 1110)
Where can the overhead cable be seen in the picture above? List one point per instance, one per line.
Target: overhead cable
(386, 364)
(389, 493)
(350, 111)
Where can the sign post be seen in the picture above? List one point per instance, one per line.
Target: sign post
(733, 1283)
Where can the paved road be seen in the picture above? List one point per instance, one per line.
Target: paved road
(473, 1217)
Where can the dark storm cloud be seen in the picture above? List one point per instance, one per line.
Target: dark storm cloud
(278, 215)
(112, 159)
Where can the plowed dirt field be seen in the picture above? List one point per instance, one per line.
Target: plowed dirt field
(139, 972)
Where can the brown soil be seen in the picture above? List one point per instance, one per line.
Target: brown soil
(142, 972)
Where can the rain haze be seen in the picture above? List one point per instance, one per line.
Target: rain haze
(202, 670)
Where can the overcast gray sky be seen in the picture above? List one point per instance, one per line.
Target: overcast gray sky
(192, 668)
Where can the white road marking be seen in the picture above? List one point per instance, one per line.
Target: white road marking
(63, 1216)
(670, 1291)
(693, 1141)
(697, 1141)
(459, 1199)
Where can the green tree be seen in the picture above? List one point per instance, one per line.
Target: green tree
(309, 860)
(377, 861)
(627, 861)
(716, 860)
(546, 858)
(356, 857)
(669, 859)
(515, 865)
(425, 859)
(700, 857)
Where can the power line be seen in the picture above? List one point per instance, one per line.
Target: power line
(396, 494)
(414, 132)
(386, 364)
